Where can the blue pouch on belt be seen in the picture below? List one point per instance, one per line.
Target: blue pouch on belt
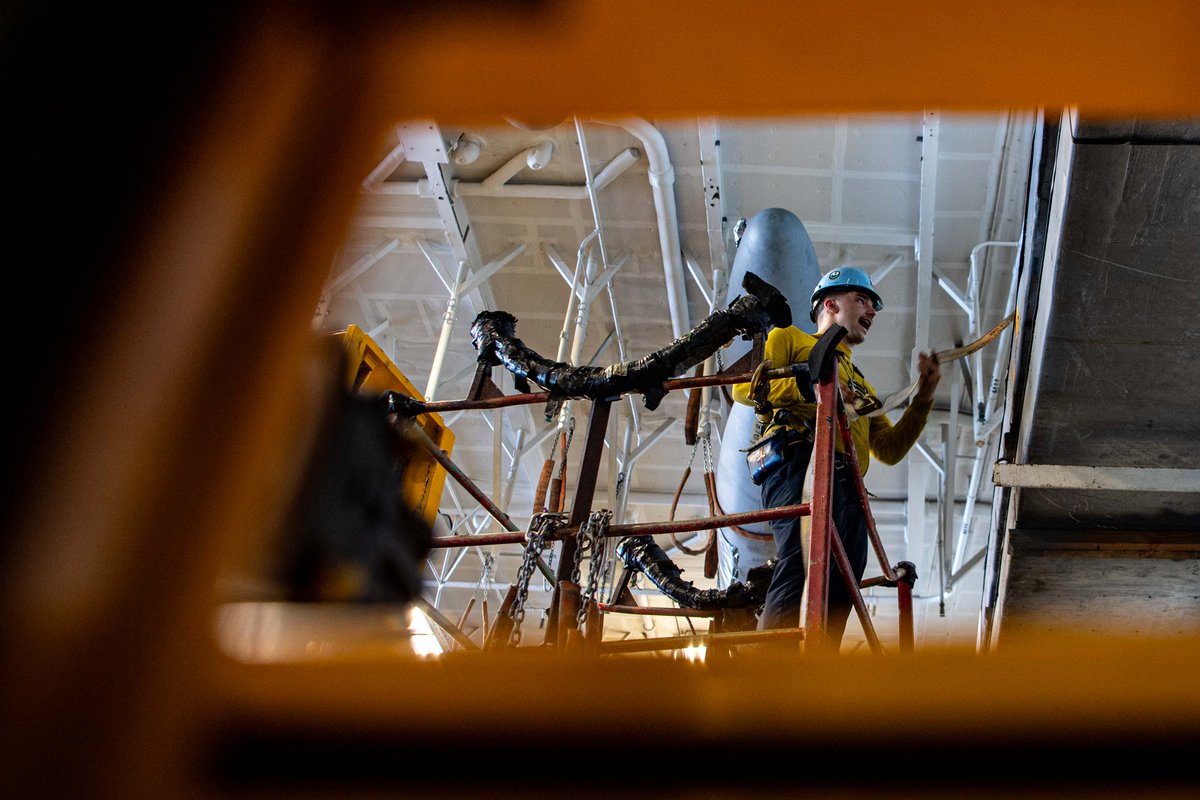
(766, 455)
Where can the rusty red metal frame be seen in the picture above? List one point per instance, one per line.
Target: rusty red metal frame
(816, 586)
(823, 542)
(633, 529)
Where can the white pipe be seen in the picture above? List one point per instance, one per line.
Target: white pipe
(950, 473)
(985, 426)
(1001, 364)
(613, 169)
(982, 426)
(624, 475)
(564, 336)
(964, 532)
(591, 190)
(662, 185)
(417, 188)
(973, 294)
(583, 310)
(386, 167)
(579, 301)
(510, 168)
(444, 339)
(621, 357)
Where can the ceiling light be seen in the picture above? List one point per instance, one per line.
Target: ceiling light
(540, 154)
(465, 150)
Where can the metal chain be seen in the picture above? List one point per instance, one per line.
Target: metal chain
(539, 526)
(567, 446)
(486, 577)
(595, 542)
(581, 540)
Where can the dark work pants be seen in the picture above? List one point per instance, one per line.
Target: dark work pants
(784, 487)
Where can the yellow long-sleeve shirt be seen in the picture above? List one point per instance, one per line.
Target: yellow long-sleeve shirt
(872, 435)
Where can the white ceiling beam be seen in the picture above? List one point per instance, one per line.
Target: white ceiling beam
(714, 206)
(536, 191)
(879, 235)
(882, 272)
(398, 221)
(360, 267)
(700, 281)
(490, 269)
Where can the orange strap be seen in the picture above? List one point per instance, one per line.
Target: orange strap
(692, 420)
(710, 555)
(674, 504)
(539, 497)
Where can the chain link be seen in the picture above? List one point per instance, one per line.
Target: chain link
(595, 542)
(535, 542)
(567, 446)
(486, 578)
(581, 539)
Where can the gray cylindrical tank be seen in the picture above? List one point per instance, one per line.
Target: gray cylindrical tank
(775, 247)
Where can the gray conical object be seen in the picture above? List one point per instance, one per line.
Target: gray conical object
(775, 247)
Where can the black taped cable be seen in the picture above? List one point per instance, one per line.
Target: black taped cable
(494, 335)
(643, 554)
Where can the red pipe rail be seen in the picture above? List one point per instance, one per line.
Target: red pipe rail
(632, 529)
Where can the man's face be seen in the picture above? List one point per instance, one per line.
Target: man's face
(854, 311)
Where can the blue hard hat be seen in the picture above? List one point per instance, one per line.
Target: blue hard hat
(844, 279)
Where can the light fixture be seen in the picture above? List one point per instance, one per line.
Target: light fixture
(540, 154)
(465, 149)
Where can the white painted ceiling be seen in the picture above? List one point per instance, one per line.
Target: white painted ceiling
(869, 189)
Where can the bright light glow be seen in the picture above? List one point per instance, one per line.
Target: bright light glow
(694, 652)
(424, 642)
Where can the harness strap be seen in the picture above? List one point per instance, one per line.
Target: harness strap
(897, 398)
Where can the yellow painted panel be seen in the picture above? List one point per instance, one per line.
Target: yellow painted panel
(370, 371)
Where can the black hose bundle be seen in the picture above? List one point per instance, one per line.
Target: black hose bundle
(643, 554)
(493, 334)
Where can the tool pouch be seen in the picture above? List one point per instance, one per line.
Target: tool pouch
(765, 456)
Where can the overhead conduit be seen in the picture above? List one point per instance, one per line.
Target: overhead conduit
(662, 184)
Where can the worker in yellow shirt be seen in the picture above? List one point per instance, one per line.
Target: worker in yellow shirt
(844, 296)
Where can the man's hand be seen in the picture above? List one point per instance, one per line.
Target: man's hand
(928, 374)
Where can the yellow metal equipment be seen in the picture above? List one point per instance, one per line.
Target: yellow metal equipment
(369, 370)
